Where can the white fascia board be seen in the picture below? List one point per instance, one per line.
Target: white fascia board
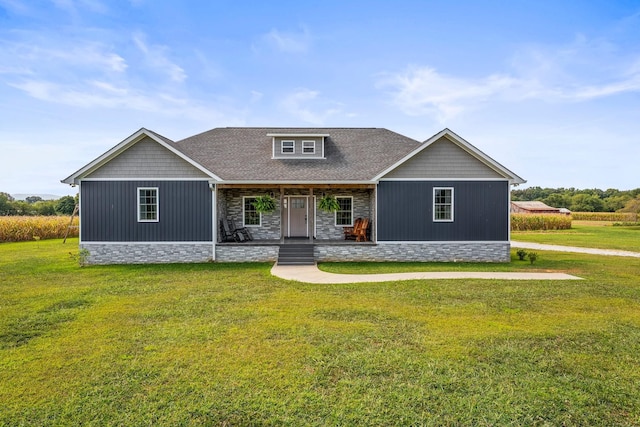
(465, 145)
(147, 178)
(124, 145)
(444, 179)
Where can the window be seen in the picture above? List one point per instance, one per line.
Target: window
(148, 204)
(287, 147)
(443, 204)
(250, 215)
(309, 147)
(344, 214)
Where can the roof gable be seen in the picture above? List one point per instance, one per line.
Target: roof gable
(137, 164)
(447, 155)
(147, 159)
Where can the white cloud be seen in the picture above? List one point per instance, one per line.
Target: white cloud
(576, 73)
(424, 91)
(288, 42)
(156, 57)
(306, 105)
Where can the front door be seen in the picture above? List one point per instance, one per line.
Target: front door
(298, 217)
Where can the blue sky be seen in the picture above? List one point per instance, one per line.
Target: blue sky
(550, 89)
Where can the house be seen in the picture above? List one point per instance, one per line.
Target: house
(536, 207)
(150, 199)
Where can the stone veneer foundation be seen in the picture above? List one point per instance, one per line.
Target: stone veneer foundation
(147, 253)
(421, 252)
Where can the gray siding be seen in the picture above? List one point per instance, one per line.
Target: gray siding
(109, 212)
(443, 159)
(481, 211)
(147, 159)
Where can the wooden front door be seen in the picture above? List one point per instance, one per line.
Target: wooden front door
(298, 217)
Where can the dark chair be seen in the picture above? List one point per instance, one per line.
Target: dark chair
(227, 234)
(244, 231)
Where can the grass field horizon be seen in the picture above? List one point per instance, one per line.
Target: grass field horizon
(228, 344)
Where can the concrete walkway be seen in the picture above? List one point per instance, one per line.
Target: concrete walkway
(575, 249)
(311, 274)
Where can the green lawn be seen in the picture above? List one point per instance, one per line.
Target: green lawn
(588, 236)
(227, 344)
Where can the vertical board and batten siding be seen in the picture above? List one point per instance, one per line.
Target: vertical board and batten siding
(109, 212)
(443, 159)
(405, 211)
(147, 159)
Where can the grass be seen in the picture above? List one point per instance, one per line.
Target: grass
(585, 234)
(228, 344)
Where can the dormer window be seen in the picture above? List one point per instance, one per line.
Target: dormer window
(308, 147)
(287, 147)
(298, 146)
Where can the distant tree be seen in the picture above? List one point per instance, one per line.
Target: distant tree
(45, 207)
(632, 205)
(5, 204)
(33, 199)
(558, 200)
(586, 200)
(65, 205)
(8, 196)
(20, 207)
(583, 202)
(615, 203)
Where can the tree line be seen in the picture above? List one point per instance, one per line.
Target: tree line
(586, 200)
(35, 205)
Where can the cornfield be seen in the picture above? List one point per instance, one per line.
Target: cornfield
(23, 228)
(529, 222)
(605, 216)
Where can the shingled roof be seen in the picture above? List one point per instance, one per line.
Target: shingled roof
(245, 154)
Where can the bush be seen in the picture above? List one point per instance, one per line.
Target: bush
(529, 222)
(23, 228)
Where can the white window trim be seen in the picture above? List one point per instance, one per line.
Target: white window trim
(434, 204)
(157, 204)
(244, 203)
(313, 147)
(293, 146)
(335, 214)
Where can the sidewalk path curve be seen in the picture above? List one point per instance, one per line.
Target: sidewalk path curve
(558, 248)
(311, 274)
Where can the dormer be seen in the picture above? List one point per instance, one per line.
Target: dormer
(298, 145)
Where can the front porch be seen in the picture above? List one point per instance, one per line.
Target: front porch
(296, 216)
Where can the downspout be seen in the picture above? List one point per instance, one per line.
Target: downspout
(311, 207)
(79, 212)
(214, 218)
(282, 214)
(374, 229)
(509, 213)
